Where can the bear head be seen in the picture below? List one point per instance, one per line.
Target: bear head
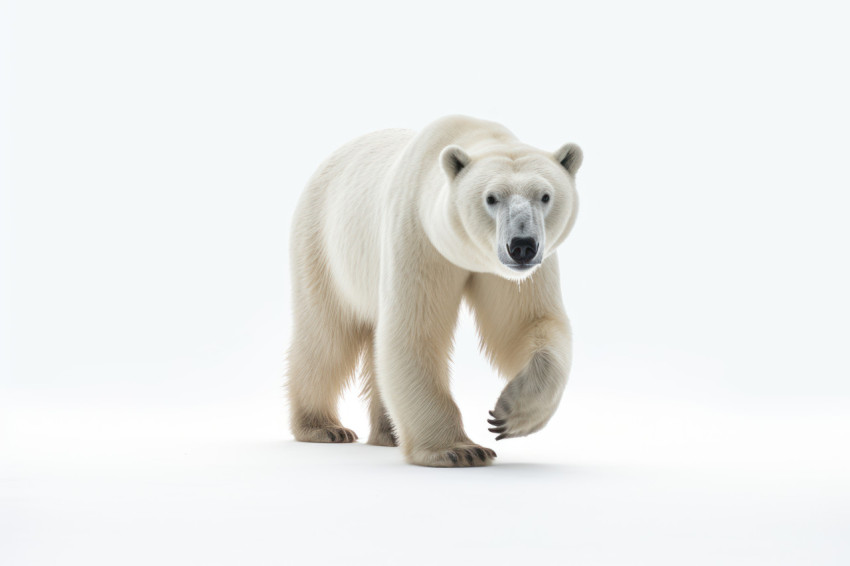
(515, 203)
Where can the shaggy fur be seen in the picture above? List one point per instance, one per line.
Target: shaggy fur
(393, 231)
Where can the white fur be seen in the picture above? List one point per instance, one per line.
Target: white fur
(391, 233)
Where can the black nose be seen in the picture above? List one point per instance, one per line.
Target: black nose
(522, 249)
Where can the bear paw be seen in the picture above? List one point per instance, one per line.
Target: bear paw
(521, 416)
(457, 456)
(382, 438)
(510, 424)
(382, 433)
(513, 425)
(331, 433)
(530, 399)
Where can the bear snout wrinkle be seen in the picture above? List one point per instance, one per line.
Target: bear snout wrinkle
(523, 250)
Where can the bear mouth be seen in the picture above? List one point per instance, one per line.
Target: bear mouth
(521, 266)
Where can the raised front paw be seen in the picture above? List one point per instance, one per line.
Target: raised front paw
(455, 456)
(522, 410)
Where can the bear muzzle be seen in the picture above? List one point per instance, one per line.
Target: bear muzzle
(523, 251)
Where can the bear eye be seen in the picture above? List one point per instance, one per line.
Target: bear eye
(545, 198)
(491, 199)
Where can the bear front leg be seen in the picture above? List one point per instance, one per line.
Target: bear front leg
(531, 398)
(413, 343)
(526, 335)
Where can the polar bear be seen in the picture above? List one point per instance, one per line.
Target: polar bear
(392, 232)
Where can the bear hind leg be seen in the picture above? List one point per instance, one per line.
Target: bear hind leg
(322, 360)
(382, 433)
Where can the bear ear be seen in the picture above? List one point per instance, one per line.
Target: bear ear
(453, 159)
(570, 156)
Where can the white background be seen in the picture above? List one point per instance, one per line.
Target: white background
(152, 153)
